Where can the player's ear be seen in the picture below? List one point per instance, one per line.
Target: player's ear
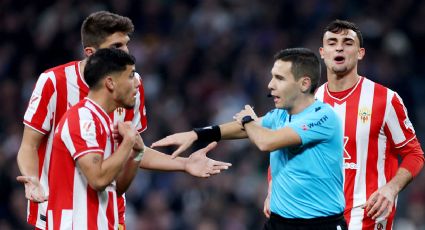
(88, 51)
(109, 83)
(361, 53)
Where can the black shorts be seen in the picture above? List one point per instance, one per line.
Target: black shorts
(335, 222)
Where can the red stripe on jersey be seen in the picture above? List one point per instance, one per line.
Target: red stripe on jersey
(110, 211)
(92, 208)
(377, 119)
(62, 94)
(82, 85)
(121, 209)
(352, 107)
(129, 114)
(391, 156)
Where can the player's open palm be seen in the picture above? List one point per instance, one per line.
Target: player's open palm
(33, 189)
(198, 164)
(182, 140)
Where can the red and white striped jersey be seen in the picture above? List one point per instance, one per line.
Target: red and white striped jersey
(375, 125)
(73, 204)
(56, 90)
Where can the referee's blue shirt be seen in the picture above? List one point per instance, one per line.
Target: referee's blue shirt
(307, 180)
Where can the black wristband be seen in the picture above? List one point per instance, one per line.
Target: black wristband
(209, 133)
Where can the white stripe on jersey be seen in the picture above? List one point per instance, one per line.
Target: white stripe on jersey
(340, 109)
(66, 138)
(73, 94)
(66, 220)
(136, 110)
(362, 130)
(87, 127)
(80, 204)
(102, 220)
(395, 129)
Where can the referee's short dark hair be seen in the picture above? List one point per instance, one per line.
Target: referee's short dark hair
(104, 62)
(304, 63)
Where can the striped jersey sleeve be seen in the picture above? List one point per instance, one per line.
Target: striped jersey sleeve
(42, 104)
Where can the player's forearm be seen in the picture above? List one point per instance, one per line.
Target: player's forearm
(127, 175)
(400, 180)
(28, 161)
(232, 130)
(28, 152)
(111, 167)
(156, 160)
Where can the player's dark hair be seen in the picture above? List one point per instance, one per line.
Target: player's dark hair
(304, 63)
(105, 62)
(337, 26)
(99, 25)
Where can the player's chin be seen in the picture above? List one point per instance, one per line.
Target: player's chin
(129, 105)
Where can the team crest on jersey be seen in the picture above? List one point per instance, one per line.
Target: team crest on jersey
(120, 110)
(87, 129)
(364, 114)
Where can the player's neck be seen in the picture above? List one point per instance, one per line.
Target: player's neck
(102, 99)
(82, 66)
(338, 83)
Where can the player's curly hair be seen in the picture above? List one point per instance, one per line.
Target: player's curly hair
(99, 25)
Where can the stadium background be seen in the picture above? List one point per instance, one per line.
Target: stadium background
(201, 61)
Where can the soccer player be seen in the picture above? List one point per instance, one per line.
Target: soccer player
(305, 141)
(61, 87)
(84, 164)
(377, 131)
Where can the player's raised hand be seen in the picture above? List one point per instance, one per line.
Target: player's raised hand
(126, 130)
(183, 140)
(33, 189)
(198, 164)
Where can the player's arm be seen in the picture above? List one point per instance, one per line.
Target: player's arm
(28, 152)
(100, 173)
(129, 171)
(382, 200)
(28, 164)
(197, 164)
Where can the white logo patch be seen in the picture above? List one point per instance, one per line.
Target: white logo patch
(408, 124)
(88, 129)
(34, 102)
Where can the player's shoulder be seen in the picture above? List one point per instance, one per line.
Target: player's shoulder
(61, 68)
(378, 87)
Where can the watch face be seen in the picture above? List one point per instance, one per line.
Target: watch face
(246, 119)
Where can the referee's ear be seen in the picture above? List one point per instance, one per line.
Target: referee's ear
(305, 84)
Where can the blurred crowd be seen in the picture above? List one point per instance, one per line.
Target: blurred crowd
(201, 61)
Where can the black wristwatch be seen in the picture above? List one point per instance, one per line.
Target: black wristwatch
(246, 119)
